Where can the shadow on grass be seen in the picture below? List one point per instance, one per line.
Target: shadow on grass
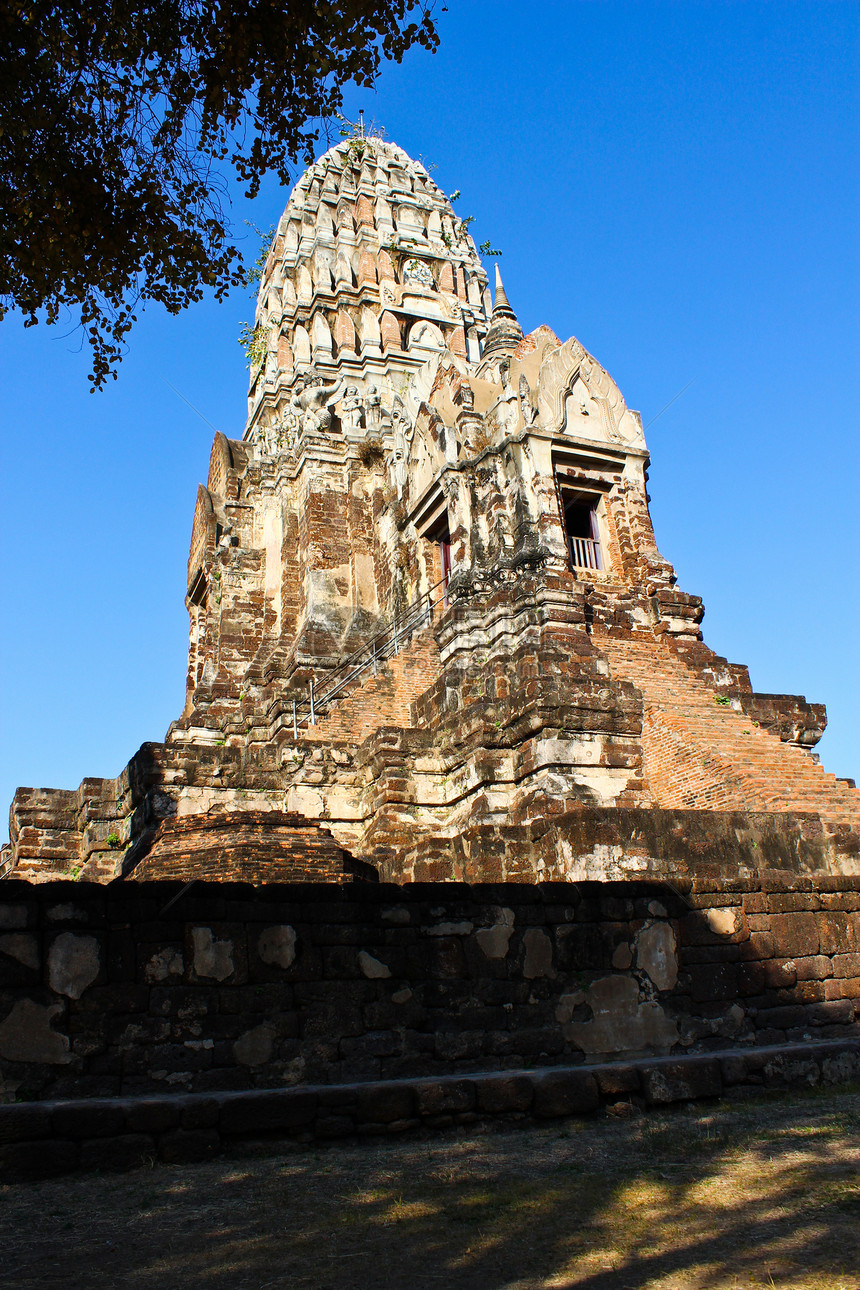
(761, 1194)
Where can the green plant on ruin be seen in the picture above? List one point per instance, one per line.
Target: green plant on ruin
(254, 341)
(461, 228)
(371, 453)
(254, 272)
(357, 135)
(114, 841)
(722, 700)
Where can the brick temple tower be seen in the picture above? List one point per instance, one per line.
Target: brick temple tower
(432, 635)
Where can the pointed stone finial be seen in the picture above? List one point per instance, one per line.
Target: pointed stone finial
(501, 302)
(505, 331)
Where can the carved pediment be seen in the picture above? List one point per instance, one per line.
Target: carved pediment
(577, 396)
(427, 450)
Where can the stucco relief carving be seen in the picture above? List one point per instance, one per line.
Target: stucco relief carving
(310, 400)
(426, 455)
(578, 396)
(419, 272)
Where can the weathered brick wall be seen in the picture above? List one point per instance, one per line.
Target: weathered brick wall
(700, 751)
(257, 847)
(125, 989)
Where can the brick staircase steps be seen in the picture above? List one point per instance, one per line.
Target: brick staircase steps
(700, 754)
(384, 699)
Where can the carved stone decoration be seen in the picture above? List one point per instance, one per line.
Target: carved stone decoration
(310, 403)
(375, 414)
(557, 373)
(399, 461)
(420, 272)
(401, 422)
(528, 411)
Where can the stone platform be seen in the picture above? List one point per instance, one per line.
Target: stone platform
(47, 1139)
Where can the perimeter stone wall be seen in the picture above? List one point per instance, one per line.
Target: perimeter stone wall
(137, 988)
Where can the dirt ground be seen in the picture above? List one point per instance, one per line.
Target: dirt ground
(763, 1193)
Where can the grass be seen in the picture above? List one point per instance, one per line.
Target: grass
(764, 1193)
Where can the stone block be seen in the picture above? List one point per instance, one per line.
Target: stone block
(615, 1081)
(780, 974)
(750, 978)
(24, 1121)
(736, 1069)
(565, 1092)
(760, 945)
(340, 1126)
(842, 988)
(792, 1070)
(259, 1114)
(500, 1093)
(385, 1103)
(838, 931)
(804, 1015)
(841, 1067)
(818, 967)
(116, 1155)
(152, 1115)
(785, 902)
(804, 992)
(713, 982)
(90, 1118)
(796, 935)
(444, 1097)
(682, 1081)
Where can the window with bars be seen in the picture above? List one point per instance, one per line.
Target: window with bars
(582, 529)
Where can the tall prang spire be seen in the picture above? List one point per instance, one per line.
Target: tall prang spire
(370, 275)
(505, 332)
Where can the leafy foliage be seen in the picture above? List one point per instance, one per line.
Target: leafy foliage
(254, 341)
(116, 116)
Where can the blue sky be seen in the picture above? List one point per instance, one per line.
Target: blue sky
(676, 184)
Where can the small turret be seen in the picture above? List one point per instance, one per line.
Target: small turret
(505, 332)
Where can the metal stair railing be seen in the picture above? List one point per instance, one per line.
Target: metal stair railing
(387, 643)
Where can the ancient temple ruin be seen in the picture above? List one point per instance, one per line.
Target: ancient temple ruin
(432, 635)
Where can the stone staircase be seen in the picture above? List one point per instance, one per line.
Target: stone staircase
(701, 754)
(384, 699)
